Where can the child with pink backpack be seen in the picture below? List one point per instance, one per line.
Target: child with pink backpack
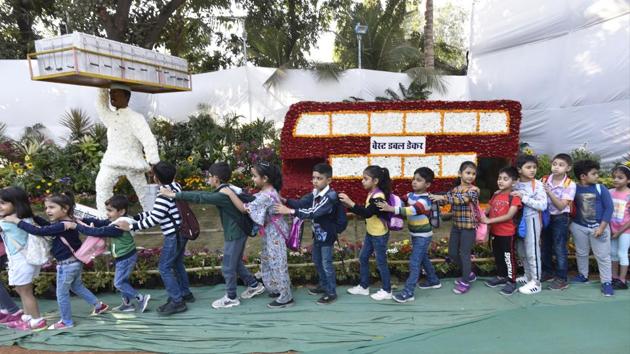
(66, 242)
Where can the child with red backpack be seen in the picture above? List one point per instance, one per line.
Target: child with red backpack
(378, 184)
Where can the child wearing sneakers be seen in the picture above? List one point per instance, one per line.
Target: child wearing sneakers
(421, 231)
(594, 209)
(560, 191)
(234, 236)
(122, 247)
(9, 311)
(534, 199)
(502, 209)
(321, 206)
(620, 226)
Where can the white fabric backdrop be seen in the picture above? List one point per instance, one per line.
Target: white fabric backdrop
(566, 61)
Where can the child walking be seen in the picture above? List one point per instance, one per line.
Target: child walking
(14, 202)
(534, 201)
(9, 311)
(122, 247)
(503, 207)
(620, 226)
(594, 209)
(462, 236)
(59, 208)
(560, 191)
(235, 237)
(321, 206)
(421, 232)
(273, 257)
(378, 184)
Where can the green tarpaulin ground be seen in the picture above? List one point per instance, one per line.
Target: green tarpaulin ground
(578, 320)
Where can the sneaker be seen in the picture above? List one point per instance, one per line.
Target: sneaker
(250, 292)
(143, 302)
(558, 284)
(381, 295)
(276, 305)
(403, 297)
(359, 290)
(472, 277)
(11, 317)
(3, 316)
(494, 282)
(327, 299)
(190, 298)
(17, 323)
(316, 291)
(619, 284)
(274, 295)
(461, 288)
(546, 277)
(532, 287)
(28, 326)
(225, 302)
(607, 289)
(99, 309)
(426, 285)
(172, 308)
(508, 289)
(580, 279)
(60, 325)
(124, 308)
(522, 280)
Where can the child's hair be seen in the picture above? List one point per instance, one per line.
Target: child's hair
(426, 174)
(382, 174)
(18, 197)
(221, 170)
(583, 167)
(118, 202)
(165, 172)
(564, 157)
(324, 169)
(523, 159)
(623, 169)
(462, 168)
(65, 200)
(510, 172)
(272, 172)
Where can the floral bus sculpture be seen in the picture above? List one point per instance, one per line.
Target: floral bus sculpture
(401, 136)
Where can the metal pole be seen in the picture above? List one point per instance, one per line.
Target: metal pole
(359, 50)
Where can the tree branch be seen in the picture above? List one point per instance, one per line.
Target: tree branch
(161, 21)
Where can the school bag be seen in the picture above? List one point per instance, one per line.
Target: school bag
(244, 222)
(37, 250)
(392, 221)
(90, 248)
(189, 225)
(341, 219)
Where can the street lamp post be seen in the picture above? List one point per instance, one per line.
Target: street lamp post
(360, 30)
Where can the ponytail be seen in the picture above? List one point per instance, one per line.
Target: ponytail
(384, 181)
(272, 172)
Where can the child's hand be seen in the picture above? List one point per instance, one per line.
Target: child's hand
(517, 194)
(383, 206)
(599, 231)
(226, 191)
(12, 219)
(67, 225)
(282, 209)
(283, 200)
(475, 189)
(343, 198)
(547, 188)
(616, 234)
(484, 219)
(437, 197)
(80, 222)
(123, 225)
(165, 192)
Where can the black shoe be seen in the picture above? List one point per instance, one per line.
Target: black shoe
(327, 299)
(618, 284)
(276, 305)
(546, 277)
(274, 295)
(494, 282)
(172, 308)
(316, 291)
(190, 298)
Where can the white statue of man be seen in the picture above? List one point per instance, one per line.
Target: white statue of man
(131, 146)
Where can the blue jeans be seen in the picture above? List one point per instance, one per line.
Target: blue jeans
(378, 246)
(124, 269)
(69, 278)
(554, 242)
(323, 259)
(420, 259)
(171, 267)
(233, 265)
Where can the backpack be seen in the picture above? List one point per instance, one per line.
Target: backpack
(393, 222)
(38, 250)
(341, 219)
(90, 248)
(434, 214)
(244, 222)
(519, 220)
(189, 226)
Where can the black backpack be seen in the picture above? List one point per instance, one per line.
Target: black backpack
(244, 222)
(341, 219)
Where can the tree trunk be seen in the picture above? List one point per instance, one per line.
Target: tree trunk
(23, 12)
(429, 55)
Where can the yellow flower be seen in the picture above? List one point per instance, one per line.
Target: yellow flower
(49, 184)
(19, 171)
(38, 187)
(190, 159)
(27, 158)
(628, 163)
(47, 191)
(16, 165)
(29, 165)
(528, 151)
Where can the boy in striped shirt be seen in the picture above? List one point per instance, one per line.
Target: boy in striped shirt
(417, 213)
(171, 264)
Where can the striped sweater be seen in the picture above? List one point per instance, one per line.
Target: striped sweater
(164, 213)
(417, 211)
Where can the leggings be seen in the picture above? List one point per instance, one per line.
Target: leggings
(460, 244)
(6, 302)
(619, 249)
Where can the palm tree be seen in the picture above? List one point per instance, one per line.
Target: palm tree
(78, 122)
(429, 56)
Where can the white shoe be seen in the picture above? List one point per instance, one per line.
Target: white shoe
(532, 287)
(250, 292)
(522, 280)
(381, 295)
(225, 302)
(359, 290)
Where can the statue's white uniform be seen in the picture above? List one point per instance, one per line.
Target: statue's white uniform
(128, 133)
